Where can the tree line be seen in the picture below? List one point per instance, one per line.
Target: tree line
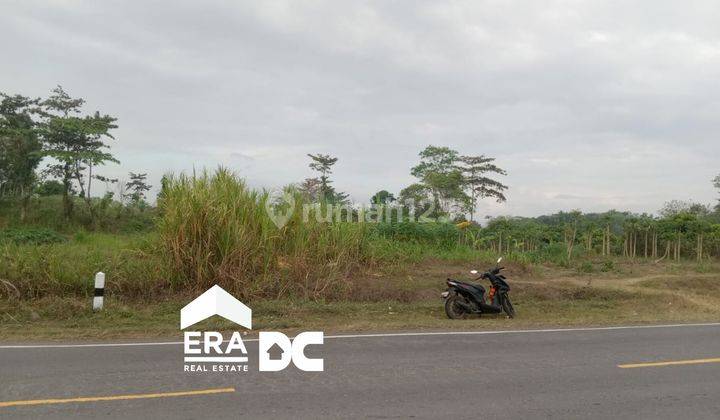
(681, 230)
(72, 144)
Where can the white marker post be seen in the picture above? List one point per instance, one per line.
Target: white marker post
(99, 291)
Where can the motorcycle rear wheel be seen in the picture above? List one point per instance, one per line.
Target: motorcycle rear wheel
(507, 307)
(452, 309)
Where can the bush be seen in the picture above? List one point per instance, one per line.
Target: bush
(586, 267)
(555, 253)
(442, 235)
(607, 266)
(31, 236)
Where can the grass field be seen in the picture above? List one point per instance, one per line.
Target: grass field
(629, 293)
(210, 228)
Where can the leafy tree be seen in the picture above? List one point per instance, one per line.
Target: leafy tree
(457, 182)
(49, 187)
(570, 232)
(417, 198)
(164, 183)
(700, 227)
(675, 207)
(310, 189)
(382, 197)
(339, 197)
(438, 172)
(646, 225)
(20, 147)
(323, 164)
(137, 187)
(474, 170)
(77, 143)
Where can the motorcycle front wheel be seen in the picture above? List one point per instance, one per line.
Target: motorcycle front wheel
(453, 310)
(507, 307)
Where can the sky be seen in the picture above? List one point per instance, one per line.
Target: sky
(587, 105)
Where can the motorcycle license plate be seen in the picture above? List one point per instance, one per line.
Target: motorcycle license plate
(444, 295)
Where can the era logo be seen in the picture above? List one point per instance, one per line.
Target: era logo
(272, 341)
(205, 351)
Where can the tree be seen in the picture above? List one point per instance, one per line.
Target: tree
(323, 164)
(416, 198)
(382, 197)
(20, 148)
(438, 172)
(164, 185)
(77, 143)
(137, 187)
(310, 189)
(49, 187)
(646, 225)
(700, 227)
(675, 207)
(474, 170)
(570, 232)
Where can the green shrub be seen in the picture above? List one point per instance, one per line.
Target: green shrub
(443, 235)
(555, 253)
(32, 236)
(586, 267)
(607, 265)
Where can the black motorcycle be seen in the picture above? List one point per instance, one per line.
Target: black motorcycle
(462, 299)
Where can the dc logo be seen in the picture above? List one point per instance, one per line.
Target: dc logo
(206, 351)
(277, 351)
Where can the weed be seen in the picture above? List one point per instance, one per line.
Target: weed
(31, 236)
(586, 267)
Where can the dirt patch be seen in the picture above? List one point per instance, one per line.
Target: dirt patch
(563, 292)
(708, 284)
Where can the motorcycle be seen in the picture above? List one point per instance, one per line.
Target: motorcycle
(463, 299)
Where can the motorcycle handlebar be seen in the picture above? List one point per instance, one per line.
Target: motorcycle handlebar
(490, 272)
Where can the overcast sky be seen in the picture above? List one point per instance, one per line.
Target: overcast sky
(589, 105)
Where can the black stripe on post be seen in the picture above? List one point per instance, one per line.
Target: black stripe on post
(99, 292)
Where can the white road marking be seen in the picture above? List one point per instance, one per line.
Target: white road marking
(376, 335)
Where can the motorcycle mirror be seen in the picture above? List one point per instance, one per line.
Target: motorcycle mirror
(473, 271)
(499, 259)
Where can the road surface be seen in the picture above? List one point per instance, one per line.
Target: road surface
(547, 374)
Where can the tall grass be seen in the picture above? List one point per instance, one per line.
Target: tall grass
(216, 230)
(130, 262)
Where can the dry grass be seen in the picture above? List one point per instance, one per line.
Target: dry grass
(632, 294)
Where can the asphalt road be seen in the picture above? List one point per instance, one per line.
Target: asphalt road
(567, 374)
